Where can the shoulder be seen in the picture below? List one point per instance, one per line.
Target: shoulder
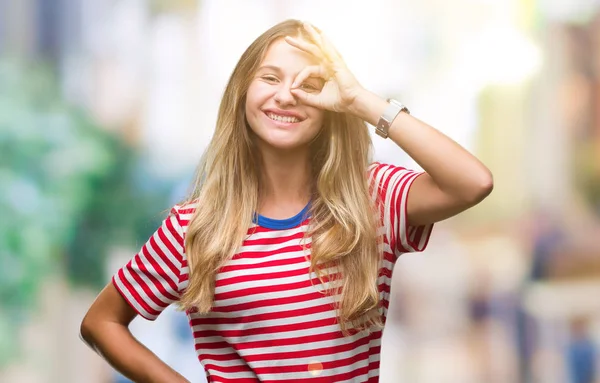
(183, 213)
(378, 171)
(377, 165)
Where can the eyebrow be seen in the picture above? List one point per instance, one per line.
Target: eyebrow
(272, 67)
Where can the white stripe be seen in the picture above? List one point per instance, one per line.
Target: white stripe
(148, 283)
(172, 240)
(158, 274)
(274, 257)
(401, 218)
(273, 246)
(275, 233)
(132, 300)
(326, 372)
(269, 309)
(223, 363)
(266, 282)
(139, 290)
(317, 287)
(293, 361)
(265, 270)
(149, 250)
(231, 375)
(301, 319)
(362, 378)
(209, 340)
(282, 335)
(310, 346)
(384, 280)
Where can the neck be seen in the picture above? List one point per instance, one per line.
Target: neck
(285, 178)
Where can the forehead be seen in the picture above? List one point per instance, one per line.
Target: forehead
(286, 57)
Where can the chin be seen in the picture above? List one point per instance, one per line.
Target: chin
(287, 145)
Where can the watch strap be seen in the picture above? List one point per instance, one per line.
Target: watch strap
(389, 115)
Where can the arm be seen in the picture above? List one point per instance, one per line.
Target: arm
(105, 329)
(454, 180)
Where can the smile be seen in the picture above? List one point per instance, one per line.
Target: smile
(287, 119)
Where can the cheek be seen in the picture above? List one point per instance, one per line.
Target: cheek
(252, 105)
(317, 117)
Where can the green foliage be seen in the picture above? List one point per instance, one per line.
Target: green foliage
(70, 191)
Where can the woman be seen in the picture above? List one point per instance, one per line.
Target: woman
(282, 255)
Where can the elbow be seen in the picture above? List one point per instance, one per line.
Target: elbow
(85, 331)
(480, 189)
(483, 188)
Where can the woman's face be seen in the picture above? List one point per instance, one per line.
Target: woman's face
(278, 119)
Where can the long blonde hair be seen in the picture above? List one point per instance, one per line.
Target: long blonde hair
(343, 223)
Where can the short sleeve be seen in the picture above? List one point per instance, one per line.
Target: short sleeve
(151, 280)
(391, 185)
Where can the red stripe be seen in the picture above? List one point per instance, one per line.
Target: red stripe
(228, 369)
(262, 276)
(174, 231)
(276, 262)
(270, 289)
(317, 337)
(132, 304)
(397, 209)
(383, 288)
(269, 302)
(214, 378)
(304, 366)
(261, 317)
(260, 229)
(262, 254)
(174, 271)
(267, 329)
(151, 275)
(146, 289)
(327, 379)
(331, 350)
(135, 295)
(220, 357)
(273, 240)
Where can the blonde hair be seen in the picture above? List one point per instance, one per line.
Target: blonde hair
(343, 223)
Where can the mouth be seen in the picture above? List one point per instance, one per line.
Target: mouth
(283, 119)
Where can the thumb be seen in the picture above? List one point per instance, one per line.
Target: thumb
(305, 97)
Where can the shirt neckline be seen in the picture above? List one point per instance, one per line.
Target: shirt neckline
(281, 224)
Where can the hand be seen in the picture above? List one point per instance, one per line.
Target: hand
(340, 89)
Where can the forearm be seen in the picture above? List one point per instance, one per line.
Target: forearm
(115, 343)
(452, 168)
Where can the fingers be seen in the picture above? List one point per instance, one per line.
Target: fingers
(323, 43)
(311, 71)
(306, 98)
(319, 46)
(304, 46)
(312, 32)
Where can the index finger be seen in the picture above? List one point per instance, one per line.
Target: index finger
(323, 42)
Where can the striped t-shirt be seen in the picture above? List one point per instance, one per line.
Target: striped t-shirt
(270, 321)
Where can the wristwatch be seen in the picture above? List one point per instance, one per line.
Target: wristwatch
(389, 114)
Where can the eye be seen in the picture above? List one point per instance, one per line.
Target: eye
(269, 78)
(310, 87)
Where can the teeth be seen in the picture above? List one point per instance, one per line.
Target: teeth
(282, 118)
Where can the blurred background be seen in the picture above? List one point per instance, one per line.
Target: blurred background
(107, 105)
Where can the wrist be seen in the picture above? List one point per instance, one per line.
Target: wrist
(368, 106)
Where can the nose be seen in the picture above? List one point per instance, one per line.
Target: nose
(283, 96)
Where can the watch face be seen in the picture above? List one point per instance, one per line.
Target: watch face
(402, 107)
